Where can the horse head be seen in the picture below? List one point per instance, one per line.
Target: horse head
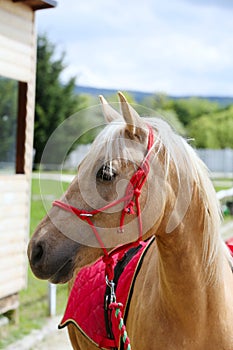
(62, 240)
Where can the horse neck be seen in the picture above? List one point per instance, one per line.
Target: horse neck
(185, 273)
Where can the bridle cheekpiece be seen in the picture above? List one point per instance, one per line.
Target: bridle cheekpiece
(130, 199)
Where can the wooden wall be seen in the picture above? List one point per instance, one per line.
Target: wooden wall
(17, 61)
(14, 193)
(16, 36)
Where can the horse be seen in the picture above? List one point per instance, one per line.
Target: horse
(182, 297)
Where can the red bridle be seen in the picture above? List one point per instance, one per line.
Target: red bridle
(131, 199)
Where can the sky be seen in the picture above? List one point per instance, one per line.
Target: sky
(178, 47)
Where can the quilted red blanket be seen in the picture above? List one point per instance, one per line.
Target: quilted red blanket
(86, 307)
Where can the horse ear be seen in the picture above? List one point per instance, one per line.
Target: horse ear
(109, 113)
(135, 126)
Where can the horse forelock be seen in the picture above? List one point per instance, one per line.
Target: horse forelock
(112, 144)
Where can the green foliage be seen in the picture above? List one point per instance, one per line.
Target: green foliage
(159, 101)
(201, 119)
(8, 119)
(213, 131)
(160, 106)
(171, 117)
(192, 108)
(186, 109)
(55, 101)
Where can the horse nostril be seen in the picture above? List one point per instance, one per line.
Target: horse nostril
(37, 254)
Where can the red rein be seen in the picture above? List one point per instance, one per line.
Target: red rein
(130, 200)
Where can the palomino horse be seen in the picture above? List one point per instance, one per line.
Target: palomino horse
(183, 293)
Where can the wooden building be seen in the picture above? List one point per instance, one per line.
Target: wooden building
(17, 95)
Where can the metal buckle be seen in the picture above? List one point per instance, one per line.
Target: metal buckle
(111, 285)
(86, 214)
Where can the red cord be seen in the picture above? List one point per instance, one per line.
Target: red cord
(130, 200)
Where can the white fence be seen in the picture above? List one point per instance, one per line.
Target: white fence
(217, 160)
(76, 156)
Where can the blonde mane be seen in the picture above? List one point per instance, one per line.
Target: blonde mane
(112, 142)
(196, 171)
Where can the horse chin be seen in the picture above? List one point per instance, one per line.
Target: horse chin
(63, 274)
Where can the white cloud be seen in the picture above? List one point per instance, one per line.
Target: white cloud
(216, 3)
(179, 47)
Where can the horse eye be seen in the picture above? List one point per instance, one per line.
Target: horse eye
(106, 173)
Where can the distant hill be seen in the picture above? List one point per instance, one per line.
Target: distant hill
(140, 95)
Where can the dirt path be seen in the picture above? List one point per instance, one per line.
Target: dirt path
(57, 340)
(47, 338)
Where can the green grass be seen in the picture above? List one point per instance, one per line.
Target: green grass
(33, 309)
(222, 184)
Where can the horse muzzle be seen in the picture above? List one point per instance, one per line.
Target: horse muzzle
(50, 261)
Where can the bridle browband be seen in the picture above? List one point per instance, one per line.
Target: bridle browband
(130, 199)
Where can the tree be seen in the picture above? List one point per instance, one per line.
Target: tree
(8, 119)
(188, 109)
(213, 131)
(162, 107)
(185, 109)
(55, 101)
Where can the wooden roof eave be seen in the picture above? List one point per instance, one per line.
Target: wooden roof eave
(38, 4)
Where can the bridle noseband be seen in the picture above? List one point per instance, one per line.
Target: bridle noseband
(130, 199)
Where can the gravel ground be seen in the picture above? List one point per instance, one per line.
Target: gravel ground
(47, 338)
(58, 340)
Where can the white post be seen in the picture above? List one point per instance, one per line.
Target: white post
(52, 289)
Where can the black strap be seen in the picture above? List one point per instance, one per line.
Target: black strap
(119, 268)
